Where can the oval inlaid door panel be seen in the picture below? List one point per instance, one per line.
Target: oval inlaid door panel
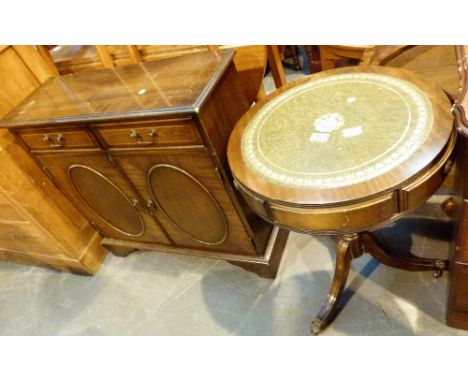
(188, 204)
(103, 197)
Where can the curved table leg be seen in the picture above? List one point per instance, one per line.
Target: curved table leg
(406, 262)
(349, 247)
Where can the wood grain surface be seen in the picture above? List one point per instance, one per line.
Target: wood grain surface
(457, 309)
(166, 87)
(140, 151)
(437, 63)
(433, 146)
(39, 226)
(249, 60)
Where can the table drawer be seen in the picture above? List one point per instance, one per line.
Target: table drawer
(57, 139)
(150, 134)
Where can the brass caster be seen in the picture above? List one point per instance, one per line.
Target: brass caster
(437, 273)
(316, 327)
(448, 206)
(440, 267)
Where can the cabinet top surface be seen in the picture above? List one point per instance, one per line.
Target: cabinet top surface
(354, 132)
(171, 86)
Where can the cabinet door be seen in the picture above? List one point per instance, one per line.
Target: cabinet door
(188, 197)
(103, 195)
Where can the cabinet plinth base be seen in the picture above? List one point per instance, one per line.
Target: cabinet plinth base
(265, 266)
(119, 251)
(269, 265)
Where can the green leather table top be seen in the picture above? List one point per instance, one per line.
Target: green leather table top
(336, 131)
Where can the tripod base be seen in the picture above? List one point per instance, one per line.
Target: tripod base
(352, 246)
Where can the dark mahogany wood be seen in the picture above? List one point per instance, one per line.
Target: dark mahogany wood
(140, 150)
(377, 194)
(457, 312)
(437, 63)
(447, 66)
(273, 182)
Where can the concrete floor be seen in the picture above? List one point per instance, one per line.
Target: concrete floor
(150, 293)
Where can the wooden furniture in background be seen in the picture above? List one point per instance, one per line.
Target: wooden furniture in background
(250, 62)
(276, 65)
(457, 312)
(38, 225)
(330, 55)
(140, 150)
(437, 63)
(447, 66)
(355, 169)
(291, 52)
(313, 58)
(22, 70)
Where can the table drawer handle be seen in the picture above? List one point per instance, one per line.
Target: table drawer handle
(60, 139)
(136, 135)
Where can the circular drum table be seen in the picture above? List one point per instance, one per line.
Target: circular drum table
(342, 152)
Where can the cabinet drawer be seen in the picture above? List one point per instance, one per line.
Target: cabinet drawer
(150, 134)
(57, 139)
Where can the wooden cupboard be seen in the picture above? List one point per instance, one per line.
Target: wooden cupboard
(141, 152)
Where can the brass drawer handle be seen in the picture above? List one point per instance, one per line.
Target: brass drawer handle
(60, 139)
(136, 135)
(151, 207)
